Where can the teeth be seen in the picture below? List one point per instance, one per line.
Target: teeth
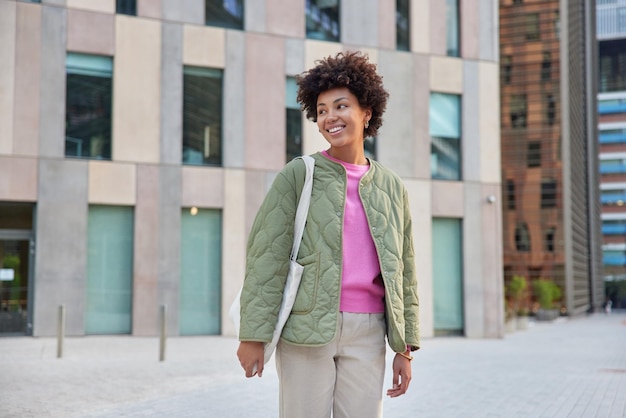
(335, 129)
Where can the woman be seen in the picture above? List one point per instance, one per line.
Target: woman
(359, 283)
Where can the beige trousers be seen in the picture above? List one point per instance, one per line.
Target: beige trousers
(345, 376)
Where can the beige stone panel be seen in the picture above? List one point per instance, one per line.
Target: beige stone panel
(316, 50)
(446, 74)
(489, 121)
(137, 90)
(286, 18)
(202, 187)
(91, 33)
(265, 92)
(149, 8)
(112, 183)
(468, 14)
(447, 199)
(419, 192)
(18, 179)
(204, 46)
(103, 6)
(7, 74)
(27, 80)
(233, 243)
(387, 24)
(492, 261)
(420, 26)
(437, 27)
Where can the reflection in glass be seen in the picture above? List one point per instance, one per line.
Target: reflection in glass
(88, 106)
(445, 136)
(322, 20)
(202, 116)
(224, 13)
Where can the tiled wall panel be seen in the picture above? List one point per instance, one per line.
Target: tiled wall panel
(103, 6)
(61, 253)
(202, 187)
(8, 28)
(90, 33)
(27, 80)
(112, 183)
(265, 92)
(18, 179)
(146, 252)
(52, 87)
(137, 90)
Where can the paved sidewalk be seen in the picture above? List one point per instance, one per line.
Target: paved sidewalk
(568, 368)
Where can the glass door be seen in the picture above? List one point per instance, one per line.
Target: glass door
(15, 256)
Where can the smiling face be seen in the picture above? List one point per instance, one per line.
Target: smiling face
(341, 120)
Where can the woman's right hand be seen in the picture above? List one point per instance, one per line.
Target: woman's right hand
(251, 355)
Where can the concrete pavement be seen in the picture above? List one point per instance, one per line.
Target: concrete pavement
(568, 368)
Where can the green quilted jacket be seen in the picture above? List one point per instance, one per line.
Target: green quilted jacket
(313, 320)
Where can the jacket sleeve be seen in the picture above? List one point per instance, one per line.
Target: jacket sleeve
(410, 297)
(267, 260)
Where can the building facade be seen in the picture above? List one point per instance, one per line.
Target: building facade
(611, 29)
(549, 155)
(137, 140)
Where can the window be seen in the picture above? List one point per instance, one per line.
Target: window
(510, 194)
(611, 197)
(202, 116)
(507, 67)
(403, 18)
(613, 166)
(224, 13)
(532, 26)
(522, 237)
(533, 156)
(322, 20)
(549, 109)
(89, 92)
(445, 136)
(452, 28)
(546, 67)
(518, 1)
(294, 121)
(126, 7)
(518, 111)
(614, 227)
(549, 239)
(548, 193)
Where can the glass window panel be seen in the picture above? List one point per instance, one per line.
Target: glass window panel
(445, 133)
(403, 29)
(452, 28)
(548, 193)
(202, 116)
(510, 194)
(322, 20)
(533, 157)
(370, 145)
(522, 237)
(532, 26)
(224, 13)
(518, 111)
(200, 288)
(88, 106)
(127, 7)
(294, 120)
(447, 275)
(109, 270)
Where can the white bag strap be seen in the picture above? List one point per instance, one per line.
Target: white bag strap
(303, 206)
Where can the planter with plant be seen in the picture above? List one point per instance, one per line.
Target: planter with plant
(547, 293)
(516, 292)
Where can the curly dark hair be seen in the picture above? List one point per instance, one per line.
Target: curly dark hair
(347, 69)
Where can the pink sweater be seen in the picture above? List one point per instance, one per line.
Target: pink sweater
(362, 289)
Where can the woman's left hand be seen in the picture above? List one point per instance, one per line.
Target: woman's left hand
(401, 375)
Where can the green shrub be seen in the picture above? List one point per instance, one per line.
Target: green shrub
(546, 292)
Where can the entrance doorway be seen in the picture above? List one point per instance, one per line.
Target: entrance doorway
(17, 249)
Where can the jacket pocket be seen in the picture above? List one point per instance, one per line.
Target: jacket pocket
(307, 292)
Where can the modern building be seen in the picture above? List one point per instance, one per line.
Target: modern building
(138, 138)
(549, 152)
(611, 29)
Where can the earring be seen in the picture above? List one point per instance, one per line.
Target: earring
(367, 124)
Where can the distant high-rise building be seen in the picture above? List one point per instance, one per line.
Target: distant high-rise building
(549, 156)
(611, 29)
